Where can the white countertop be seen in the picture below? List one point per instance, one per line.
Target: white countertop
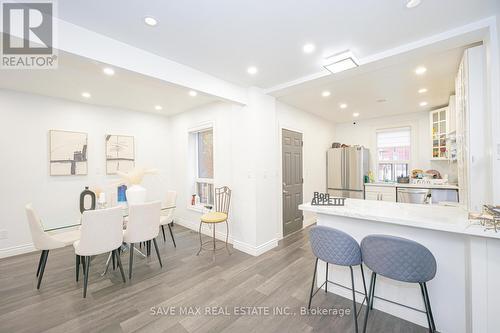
(435, 217)
(432, 186)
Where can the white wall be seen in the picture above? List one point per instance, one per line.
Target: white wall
(24, 124)
(364, 133)
(181, 175)
(318, 135)
(244, 160)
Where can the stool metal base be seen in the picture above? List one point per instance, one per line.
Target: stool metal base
(211, 245)
(353, 289)
(425, 296)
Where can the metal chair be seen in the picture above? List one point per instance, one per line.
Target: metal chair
(219, 214)
(338, 248)
(402, 260)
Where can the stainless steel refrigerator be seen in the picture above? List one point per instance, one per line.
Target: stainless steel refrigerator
(346, 169)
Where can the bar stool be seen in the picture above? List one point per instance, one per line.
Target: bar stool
(219, 214)
(338, 248)
(402, 260)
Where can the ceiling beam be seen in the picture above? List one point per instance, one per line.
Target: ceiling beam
(473, 29)
(89, 44)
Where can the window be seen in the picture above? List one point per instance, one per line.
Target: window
(393, 153)
(204, 178)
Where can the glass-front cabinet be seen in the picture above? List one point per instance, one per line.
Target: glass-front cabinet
(439, 130)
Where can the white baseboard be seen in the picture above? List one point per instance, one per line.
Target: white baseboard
(255, 250)
(15, 250)
(220, 235)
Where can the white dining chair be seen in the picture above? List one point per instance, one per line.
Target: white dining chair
(167, 216)
(143, 226)
(45, 242)
(101, 232)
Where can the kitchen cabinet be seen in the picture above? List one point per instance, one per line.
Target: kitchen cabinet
(380, 193)
(439, 123)
(472, 155)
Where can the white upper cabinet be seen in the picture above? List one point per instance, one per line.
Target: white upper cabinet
(472, 150)
(439, 122)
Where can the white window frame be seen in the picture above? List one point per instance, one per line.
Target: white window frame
(407, 162)
(196, 179)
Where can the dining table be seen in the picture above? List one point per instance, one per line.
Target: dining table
(125, 247)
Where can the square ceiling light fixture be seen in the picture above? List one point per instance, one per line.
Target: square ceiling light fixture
(340, 62)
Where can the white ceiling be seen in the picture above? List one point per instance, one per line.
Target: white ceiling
(124, 90)
(362, 87)
(224, 37)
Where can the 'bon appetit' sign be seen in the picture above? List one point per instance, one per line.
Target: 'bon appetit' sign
(324, 199)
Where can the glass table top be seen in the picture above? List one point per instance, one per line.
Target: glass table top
(124, 211)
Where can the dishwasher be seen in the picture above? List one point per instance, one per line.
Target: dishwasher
(413, 195)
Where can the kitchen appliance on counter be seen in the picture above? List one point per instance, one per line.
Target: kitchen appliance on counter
(346, 170)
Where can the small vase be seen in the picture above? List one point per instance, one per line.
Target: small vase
(87, 193)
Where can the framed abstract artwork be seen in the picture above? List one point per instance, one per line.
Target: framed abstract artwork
(120, 153)
(68, 153)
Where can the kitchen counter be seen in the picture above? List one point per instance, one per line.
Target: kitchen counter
(431, 186)
(466, 256)
(433, 217)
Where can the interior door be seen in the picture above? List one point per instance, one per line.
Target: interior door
(292, 181)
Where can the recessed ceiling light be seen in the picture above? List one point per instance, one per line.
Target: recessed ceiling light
(252, 70)
(420, 70)
(355, 114)
(86, 95)
(423, 104)
(151, 21)
(158, 107)
(412, 3)
(309, 48)
(108, 71)
(422, 91)
(193, 93)
(340, 62)
(326, 93)
(343, 105)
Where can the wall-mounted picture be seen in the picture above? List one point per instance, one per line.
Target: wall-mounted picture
(120, 153)
(68, 153)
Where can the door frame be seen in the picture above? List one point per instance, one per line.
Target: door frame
(281, 127)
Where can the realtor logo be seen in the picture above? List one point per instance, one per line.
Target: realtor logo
(28, 35)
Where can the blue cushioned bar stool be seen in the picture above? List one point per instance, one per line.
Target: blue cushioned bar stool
(402, 260)
(338, 248)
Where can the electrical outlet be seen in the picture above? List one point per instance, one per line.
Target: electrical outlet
(3, 234)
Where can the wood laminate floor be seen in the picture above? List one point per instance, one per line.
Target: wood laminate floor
(278, 279)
